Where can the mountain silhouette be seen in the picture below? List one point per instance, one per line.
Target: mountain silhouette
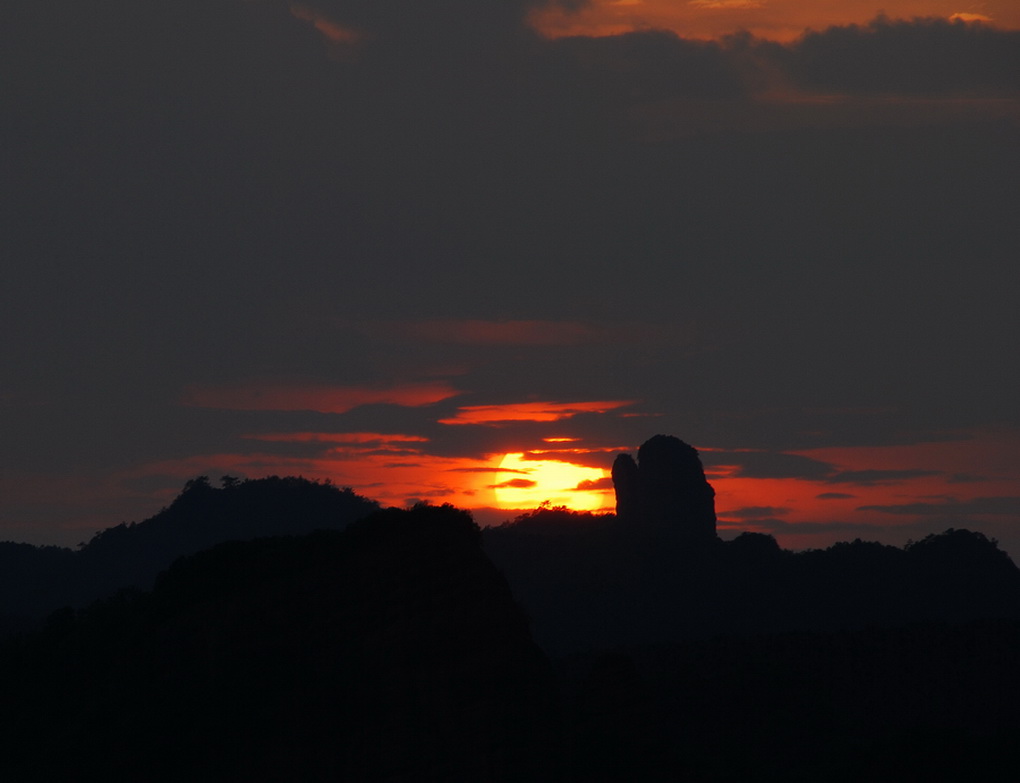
(657, 572)
(664, 494)
(37, 580)
(392, 650)
(408, 645)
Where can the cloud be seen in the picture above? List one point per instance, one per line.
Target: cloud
(516, 483)
(921, 56)
(748, 464)
(778, 20)
(726, 4)
(603, 483)
(582, 455)
(336, 33)
(460, 27)
(965, 478)
(495, 415)
(834, 496)
(965, 16)
(953, 507)
(197, 194)
(869, 478)
(321, 398)
(335, 437)
(649, 66)
(756, 512)
(767, 465)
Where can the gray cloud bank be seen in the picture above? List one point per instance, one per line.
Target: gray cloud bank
(214, 192)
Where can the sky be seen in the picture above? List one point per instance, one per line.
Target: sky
(468, 251)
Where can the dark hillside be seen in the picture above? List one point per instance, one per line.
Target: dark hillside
(34, 580)
(37, 580)
(389, 651)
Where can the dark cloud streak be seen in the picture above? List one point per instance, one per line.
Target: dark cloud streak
(921, 56)
(953, 507)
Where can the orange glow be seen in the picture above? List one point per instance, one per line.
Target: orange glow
(993, 456)
(777, 20)
(395, 470)
(966, 17)
(392, 475)
(334, 32)
(814, 513)
(527, 483)
(530, 411)
(320, 398)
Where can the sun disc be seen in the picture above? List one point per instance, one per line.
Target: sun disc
(527, 483)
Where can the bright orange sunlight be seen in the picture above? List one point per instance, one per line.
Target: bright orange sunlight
(526, 483)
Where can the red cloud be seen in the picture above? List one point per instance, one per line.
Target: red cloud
(516, 483)
(591, 484)
(336, 33)
(530, 411)
(968, 17)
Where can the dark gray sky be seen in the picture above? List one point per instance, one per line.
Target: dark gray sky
(388, 242)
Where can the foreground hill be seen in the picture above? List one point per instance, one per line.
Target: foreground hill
(392, 650)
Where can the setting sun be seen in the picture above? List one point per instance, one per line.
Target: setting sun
(526, 483)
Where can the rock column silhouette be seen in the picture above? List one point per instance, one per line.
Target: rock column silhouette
(664, 493)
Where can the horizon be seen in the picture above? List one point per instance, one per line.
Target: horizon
(390, 244)
(513, 497)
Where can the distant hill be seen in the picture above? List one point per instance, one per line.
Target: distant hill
(408, 645)
(656, 571)
(37, 580)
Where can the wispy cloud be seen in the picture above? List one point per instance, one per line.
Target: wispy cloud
(726, 4)
(320, 398)
(334, 32)
(757, 512)
(516, 483)
(495, 415)
(868, 478)
(966, 16)
(952, 506)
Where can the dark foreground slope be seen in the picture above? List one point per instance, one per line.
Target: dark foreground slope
(919, 702)
(389, 651)
(395, 651)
